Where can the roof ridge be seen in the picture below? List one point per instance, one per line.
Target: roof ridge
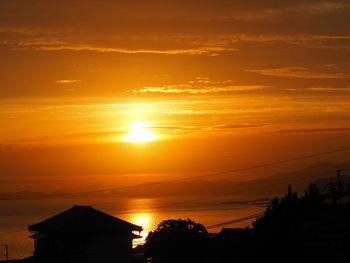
(84, 214)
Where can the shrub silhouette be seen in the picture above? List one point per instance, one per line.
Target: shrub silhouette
(303, 228)
(177, 241)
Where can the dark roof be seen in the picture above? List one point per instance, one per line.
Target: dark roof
(83, 219)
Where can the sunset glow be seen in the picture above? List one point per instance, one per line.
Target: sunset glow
(166, 102)
(139, 133)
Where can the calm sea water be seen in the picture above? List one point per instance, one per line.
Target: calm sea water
(15, 216)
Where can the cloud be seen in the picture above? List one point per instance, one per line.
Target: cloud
(197, 51)
(181, 129)
(67, 81)
(303, 40)
(187, 89)
(58, 45)
(186, 129)
(296, 38)
(313, 8)
(240, 126)
(325, 6)
(329, 89)
(272, 11)
(301, 72)
(178, 44)
(311, 130)
(228, 111)
(230, 41)
(199, 86)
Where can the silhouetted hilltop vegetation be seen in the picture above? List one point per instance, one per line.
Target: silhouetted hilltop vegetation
(177, 241)
(311, 227)
(314, 227)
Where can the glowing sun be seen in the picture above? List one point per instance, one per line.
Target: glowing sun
(139, 133)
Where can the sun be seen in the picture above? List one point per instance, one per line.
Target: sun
(139, 133)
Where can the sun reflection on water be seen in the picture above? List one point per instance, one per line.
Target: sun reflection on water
(146, 220)
(142, 214)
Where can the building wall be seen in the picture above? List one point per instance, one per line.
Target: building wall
(87, 248)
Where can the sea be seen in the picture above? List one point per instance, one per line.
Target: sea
(17, 215)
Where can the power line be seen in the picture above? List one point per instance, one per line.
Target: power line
(259, 166)
(235, 221)
(255, 215)
(211, 197)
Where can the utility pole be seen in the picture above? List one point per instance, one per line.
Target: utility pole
(340, 184)
(6, 252)
(338, 176)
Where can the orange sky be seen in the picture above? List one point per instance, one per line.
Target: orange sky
(223, 84)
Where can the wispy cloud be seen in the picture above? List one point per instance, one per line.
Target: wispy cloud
(228, 111)
(199, 86)
(244, 125)
(58, 45)
(302, 9)
(303, 40)
(194, 51)
(329, 89)
(186, 129)
(67, 81)
(299, 38)
(312, 130)
(187, 89)
(193, 44)
(302, 72)
(230, 41)
(325, 6)
(29, 31)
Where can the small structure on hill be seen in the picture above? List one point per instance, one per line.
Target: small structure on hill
(83, 234)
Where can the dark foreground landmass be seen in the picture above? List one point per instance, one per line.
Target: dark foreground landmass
(313, 226)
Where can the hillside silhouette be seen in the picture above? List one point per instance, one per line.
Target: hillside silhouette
(308, 227)
(319, 173)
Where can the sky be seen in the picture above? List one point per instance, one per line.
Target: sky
(221, 84)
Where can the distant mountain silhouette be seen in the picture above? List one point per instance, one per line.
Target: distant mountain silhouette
(299, 179)
(320, 173)
(268, 186)
(323, 183)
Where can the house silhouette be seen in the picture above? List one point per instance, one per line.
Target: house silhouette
(83, 234)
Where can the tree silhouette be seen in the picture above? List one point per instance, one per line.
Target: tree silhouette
(301, 228)
(177, 241)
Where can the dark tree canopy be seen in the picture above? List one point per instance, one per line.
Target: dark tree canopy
(303, 227)
(177, 241)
